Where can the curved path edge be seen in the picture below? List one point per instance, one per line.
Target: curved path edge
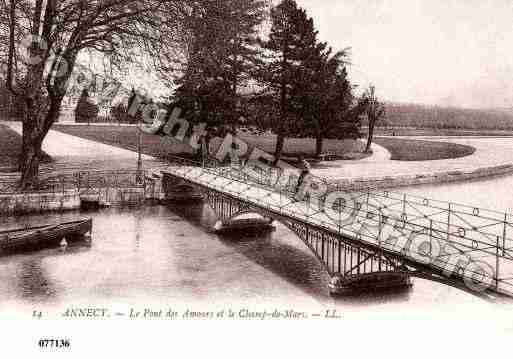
(422, 179)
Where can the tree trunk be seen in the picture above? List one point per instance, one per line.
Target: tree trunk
(319, 141)
(280, 141)
(281, 126)
(370, 136)
(34, 131)
(207, 146)
(37, 121)
(30, 166)
(30, 156)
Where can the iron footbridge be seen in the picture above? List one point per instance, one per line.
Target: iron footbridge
(374, 237)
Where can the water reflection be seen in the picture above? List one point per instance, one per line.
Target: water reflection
(286, 257)
(34, 283)
(137, 233)
(195, 212)
(169, 254)
(288, 262)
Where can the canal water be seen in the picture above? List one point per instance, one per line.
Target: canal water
(168, 255)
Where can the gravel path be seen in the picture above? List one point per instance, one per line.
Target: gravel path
(490, 152)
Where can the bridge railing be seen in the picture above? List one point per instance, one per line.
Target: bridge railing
(116, 179)
(78, 180)
(482, 236)
(53, 184)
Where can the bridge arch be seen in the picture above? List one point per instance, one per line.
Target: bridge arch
(337, 257)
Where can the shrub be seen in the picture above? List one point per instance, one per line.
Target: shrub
(118, 113)
(86, 110)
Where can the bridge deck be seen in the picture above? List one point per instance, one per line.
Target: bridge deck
(388, 221)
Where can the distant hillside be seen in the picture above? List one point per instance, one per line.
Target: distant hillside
(422, 116)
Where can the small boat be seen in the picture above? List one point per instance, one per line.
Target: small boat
(47, 236)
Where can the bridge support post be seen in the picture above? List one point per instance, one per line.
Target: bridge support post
(369, 282)
(229, 212)
(245, 226)
(364, 274)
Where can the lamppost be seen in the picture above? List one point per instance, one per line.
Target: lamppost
(203, 151)
(139, 173)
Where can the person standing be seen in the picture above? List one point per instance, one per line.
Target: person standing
(304, 166)
(234, 157)
(235, 162)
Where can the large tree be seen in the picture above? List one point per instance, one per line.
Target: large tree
(56, 33)
(291, 45)
(219, 55)
(327, 98)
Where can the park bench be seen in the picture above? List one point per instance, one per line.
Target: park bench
(328, 156)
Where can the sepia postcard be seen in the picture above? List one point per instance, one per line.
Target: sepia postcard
(193, 178)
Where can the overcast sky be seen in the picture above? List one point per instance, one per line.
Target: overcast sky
(446, 52)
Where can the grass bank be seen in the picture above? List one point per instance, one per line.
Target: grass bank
(10, 147)
(418, 150)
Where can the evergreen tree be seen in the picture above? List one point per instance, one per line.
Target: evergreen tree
(240, 41)
(221, 56)
(291, 46)
(328, 98)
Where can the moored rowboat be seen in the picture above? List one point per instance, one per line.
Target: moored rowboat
(46, 236)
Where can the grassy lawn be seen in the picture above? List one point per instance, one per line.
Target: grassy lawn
(10, 146)
(417, 150)
(126, 137)
(401, 149)
(306, 146)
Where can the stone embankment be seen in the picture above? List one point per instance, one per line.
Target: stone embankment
(493, 157)
(420, 179)
(75, 198)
